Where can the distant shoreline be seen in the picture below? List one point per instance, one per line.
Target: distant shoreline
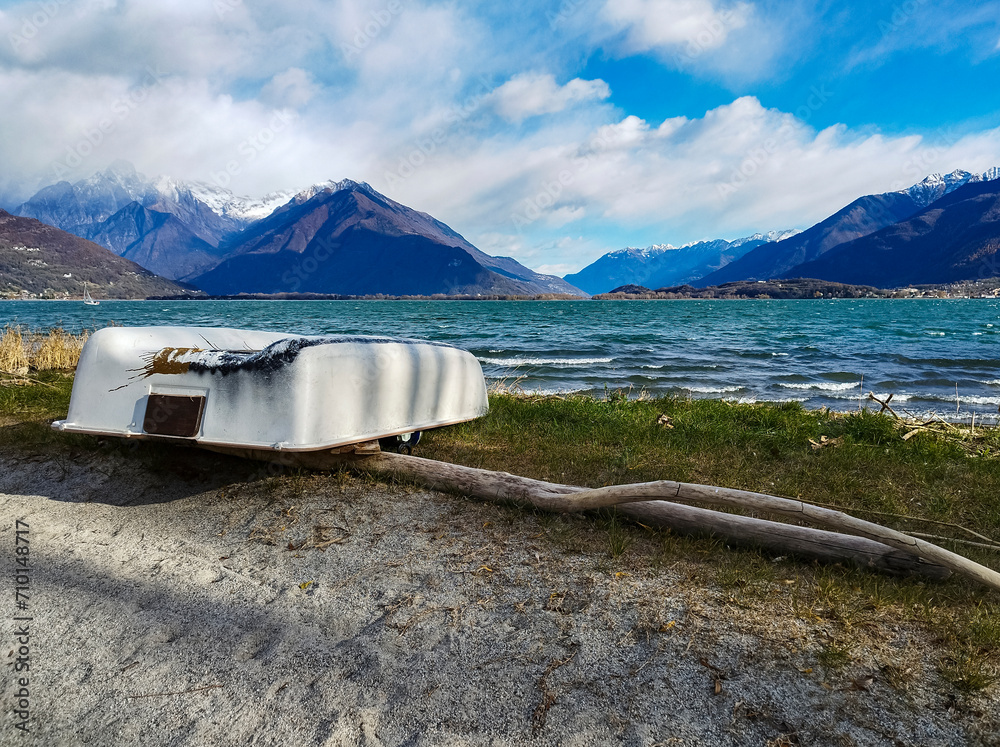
(794, 289)
(805, 288)
(600, 297)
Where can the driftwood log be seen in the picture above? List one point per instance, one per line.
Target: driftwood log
(856, 541)
(837, 520)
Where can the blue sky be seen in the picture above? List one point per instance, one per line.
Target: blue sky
(548, 131)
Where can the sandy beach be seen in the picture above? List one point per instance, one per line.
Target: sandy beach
(203, 601)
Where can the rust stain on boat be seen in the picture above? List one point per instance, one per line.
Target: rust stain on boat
(167, 361)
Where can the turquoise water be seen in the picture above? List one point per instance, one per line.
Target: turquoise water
(814, 351)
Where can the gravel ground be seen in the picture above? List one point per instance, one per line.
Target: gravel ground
(204, 602)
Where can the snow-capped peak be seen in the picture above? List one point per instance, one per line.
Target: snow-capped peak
(247, 209)
(332, 186)
(121, 176)
(170, 189)
(645, 253)
(782, 235)
(760, 238)
(987, 176)
(271, 202)
(239, 207)
(936, 186)
(302, 195)
(768, 236)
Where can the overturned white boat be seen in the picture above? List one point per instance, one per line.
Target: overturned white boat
(241, 389)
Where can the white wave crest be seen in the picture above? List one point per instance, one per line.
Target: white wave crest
(963, 400)
(977, 400)
(545, 361)
(713, 389)
(896, 397)
(825, 386)
(769, 400)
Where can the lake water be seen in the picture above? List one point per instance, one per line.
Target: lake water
(927, 353)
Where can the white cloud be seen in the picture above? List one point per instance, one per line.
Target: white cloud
(68, 126)
(531, 94)
(733, 42)
(559, 270)
(676, 26)
(220, 73)
(739, 169)
(535, 253)
(293, 88)
(183, 37)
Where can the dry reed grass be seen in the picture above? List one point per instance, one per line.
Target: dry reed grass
(55, 350)
(13, 355)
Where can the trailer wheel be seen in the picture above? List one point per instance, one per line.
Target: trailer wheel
(401, 444)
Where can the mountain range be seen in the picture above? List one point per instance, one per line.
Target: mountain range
(864, 216)
(954, 238)
(346, 238)
(664, 265)
(335, 237)
(928, 219)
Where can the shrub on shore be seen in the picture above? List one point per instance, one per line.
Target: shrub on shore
(13, 355)
(22, 351)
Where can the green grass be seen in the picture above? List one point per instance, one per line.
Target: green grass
(28, 405)
(833, 656)
(921, 484)
(950, 478)
(759, 447)
(35, 396)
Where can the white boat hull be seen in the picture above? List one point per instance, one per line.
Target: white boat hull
(264, 390)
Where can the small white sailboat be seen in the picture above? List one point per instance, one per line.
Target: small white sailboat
(229, 389)
(87, 299)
